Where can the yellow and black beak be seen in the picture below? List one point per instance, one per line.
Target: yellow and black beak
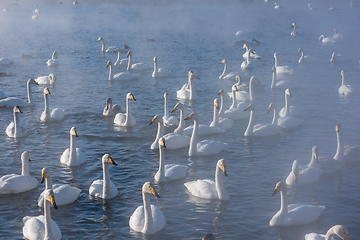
(269, 109)
(162, 143)
(99, 39)
(132, 97)
(277, 189)
(108, 64)
(52, 200)
(174, 109)
(75, 133)
(189, 117)
(154, 192)
(43, 177)
(48, 91)
(224, 170)
(247, 109)
(217, 105)
(195, 76)
(346, 236)
(36, 82)
(112, 161)
(128, 54)
(152, 121)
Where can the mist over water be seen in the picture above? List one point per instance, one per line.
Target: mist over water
(188, 36)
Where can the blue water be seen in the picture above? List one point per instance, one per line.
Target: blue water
(187, 37)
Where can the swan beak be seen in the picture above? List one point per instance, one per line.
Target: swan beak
(112, 161)
(235, 89)
(52, 200)
(174, 109)
(217, 105)
(319, 39)
(99, 39)
(43, 176)
(188, 117)
(36, 82)
(128, 54)
(154, 192)
(277, 189)
(224, 170)
(346, 237)
(222, 61)
(108, 65)
(116, 50)
(257, 80)
(247, 109)
(75, 133)
(196, 77)
(152, 121)
(220, 92)
(132, 97)
(163, 144)
(269, 109)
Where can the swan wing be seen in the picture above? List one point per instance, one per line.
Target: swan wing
(175, 171)
(34, 228)
(307, 175)
(264, 130)
(13, 183)
(170, 121)
(57, 114)
(289, 122)
(293, 112)
(175, 141)
(299, 214)
(124, 76)
(203, 130)
(120, 119)
(43, 80)
(81, 157)
(12, 102)
(184, 92)
(315, 236)
(140, 67)
(237, 113)
(209, 147)
(64, 194)
(225, 123)
(345, 90)
(202, 189)
(96, 188)
(351, 153)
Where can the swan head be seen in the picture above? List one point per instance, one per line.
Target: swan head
(237, 78)
(315, 152)
(221, 92)
(25, 156)
(272, 106)
(192, 75)
(50, 196)
(128, 54)
(321, 37)
(125, 47)
(209, 236)
(55, 54)
(222, 165)
(45, 172)
(150, 189)
(156, 119)
(47, 91)
(293, 25)
(251, 107)
(300, 50)
(193, 116)
(108, 101)
(130, 96)
(166, 95)
(234, 88)
(73, 132)
(116, 50)
(109, 63)
(178, 106)
(223, 61)
(275, 55)
(254, 79)
(99, 39)
(342, 72)
(216, 103)
(17, 109)
(338, 128)
(107, 159)
(287, 92)
(295, 170)
(162, 142)
(339, 230)
(244, 46)
(279, 187)
(155, 59)
(32, 81)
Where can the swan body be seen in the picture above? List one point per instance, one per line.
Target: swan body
(326, 40)
(209, 189)
(119, 61)
(344, 90)
(73, 156)
(293, 214)
(337, 35)
(247, 64)
(46, 80)
(121, 76)
(49, 116)
(187, 91)
(282, 69)
(16, 129)
(169, 172)
(53, 61)
(42, 227)
(105, 188)
(110, 109)
(293, 33)
(169, 121)
(14, 101)
(286, 121)
(5, 61)
(159, 72)
(253, 55)
(302, 175)
(227, 76)
(126, 119)
(205, 147)
(64, 193)
(244, 96)
(223, 123)
(288, 110)
(173, 140)
(147, 218)
(181, 126)
(14, 183)
(136, 66)
(338, 230)
(236, 111)
(109, 49)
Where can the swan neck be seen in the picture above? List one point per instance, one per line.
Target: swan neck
(251, 90)
(342, 79)
(215, 117)
(166, 111)
(159, 134)
(192, 94)
(49, 233)
(73, 154)
(276, 62)
(161, 164)
(250, 127)
(111, 74)
(118, 57)
(275, 117)
(219, 184)
(224, 71)
(25, 168)
(155, 67)
(181, 126)
(273, 79)
(313, 161)
(48, 181)
(47, 105)
(149, 223)
(284, 205)
(17, 125)
(129, 63)
(106, 181)
(102, 45)
(29, 93)
(287, 107)
(222, 107)
(193, 139)
(234, 103)
(127, 114)
(340, 147)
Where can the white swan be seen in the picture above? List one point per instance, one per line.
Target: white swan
(109, 49)
(333, 57)
(244, 96)
(302, 56)
(173, 140)
(55, 115)
(5, 61)
(187, 91)
(110, 109)
(277, 6)
(159, 72)
(121, 76)
(302, 175)
(247, 64)
(236, 111)
(288, 110)
(310, 8)
(147, 218)
(120, 62)
(344, 90)
(287, 121)
(42, 227)
(241, 86)
(205, 147)
(260, 129)
(73, 156)
(337, 35)
(282, 83)
(14, 183)
(53, 61)
(105, 188)
(126, 119)
(46, 80)
(225, 75)
(326, 40)
(169, 121)
(293, 33)
(168, 172)
(293, 214)
(136, 66)
(64, 193)
(36, 9)
(338, 230)
(181, 126)
(209, 189)
(253, 55)
(14, 101)
(223, 123)
(16, 129)
(282, 69)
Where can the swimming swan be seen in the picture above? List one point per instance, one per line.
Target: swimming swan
(168, 172)
(253, 54)
(126, 119)
(42, 227)
(14, 101)
(209, 189)
(16, 129)
(288, 110)
(181, 126)
(339, 230)
(173, 140)
(110, 109)
(73, 156)
(223, 123)
(287, 121)
(105, 188)
(14, 183)
(159, 72)
(293, 214)
(241, 86)
(147, 218)
(225, 75)
(53, 61)
(187, 91)
(46, 80)
(120, 62)
(260, 129)
(326, 40)
(282, 69)
(5, 61)
(302, 175)
(169, 121)
(333, 57)
(344, 90)
(236, 110)
(244, 96)
(293, 33)
(64, 193)
(302, 57)
(109, 49)
(337, 35)
(247, 64)
(55, 115)
(136, 66)
(205, 147)
(121, 76)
